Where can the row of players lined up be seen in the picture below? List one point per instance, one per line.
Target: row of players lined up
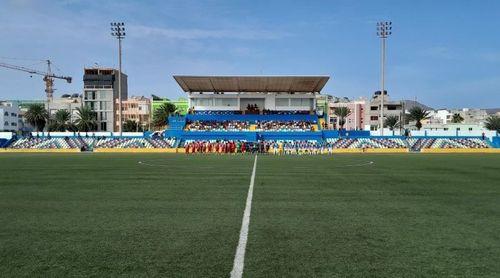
(245, 126)
(273, 147)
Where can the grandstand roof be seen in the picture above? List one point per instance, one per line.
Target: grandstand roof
(261, 84)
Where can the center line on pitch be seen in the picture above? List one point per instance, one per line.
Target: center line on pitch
(239, 258)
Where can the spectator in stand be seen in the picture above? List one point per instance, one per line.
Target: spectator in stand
(284, 126)
(218, 126)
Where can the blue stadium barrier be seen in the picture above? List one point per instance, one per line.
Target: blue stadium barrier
(299, 135)
(3, 142)
(214, 135)
(354, 133)
(496, 142)
(176, 122)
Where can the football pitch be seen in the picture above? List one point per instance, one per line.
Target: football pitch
(168, 215)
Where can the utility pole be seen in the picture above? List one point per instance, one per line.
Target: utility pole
(118, 31)
(383, 31)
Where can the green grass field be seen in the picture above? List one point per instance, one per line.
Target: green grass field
(101, 215)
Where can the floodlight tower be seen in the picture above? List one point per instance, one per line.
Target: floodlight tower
(118, 31)
(384, 30)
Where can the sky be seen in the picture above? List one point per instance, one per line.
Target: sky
(442, 53)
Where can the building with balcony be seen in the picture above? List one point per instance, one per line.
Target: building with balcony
(137, 109)
(373, 110)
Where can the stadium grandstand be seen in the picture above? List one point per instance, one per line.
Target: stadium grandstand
(247, 114)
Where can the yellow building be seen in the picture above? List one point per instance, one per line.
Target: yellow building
(137, 109)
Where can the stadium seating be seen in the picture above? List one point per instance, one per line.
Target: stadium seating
(285, 126)
(290, 140)
(89, 143)
(216, 112)
(368, 143)
(136, 143)
(40, 143)
(218, 126)
(417, 144)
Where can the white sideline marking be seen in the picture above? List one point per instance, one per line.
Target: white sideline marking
(239, 258)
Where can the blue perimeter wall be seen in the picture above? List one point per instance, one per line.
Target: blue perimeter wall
(496, 142)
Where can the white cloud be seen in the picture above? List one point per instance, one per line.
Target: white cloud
(439, 51)
(194, 34)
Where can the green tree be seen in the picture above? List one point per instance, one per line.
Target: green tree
(37, 116)
(418, 114)
(131, 126)
(61, 122)
(456, 119)
(342, 113)
(493, 123)
(160, 115)
(391, 122)
(87, 119)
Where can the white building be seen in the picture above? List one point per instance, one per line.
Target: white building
(69, 103)
(470, 116)
(373, 108)
(252, 94)
(100, 92)
(9, 117)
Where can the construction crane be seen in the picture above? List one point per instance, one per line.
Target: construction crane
(48, 77)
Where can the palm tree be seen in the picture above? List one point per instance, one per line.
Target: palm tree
(493, 123)
(342, 113)
(418, 114)
(391, 122)
(86, 119)
(37, 116)
(160, 115)
(456, 119)
(61, 122)
(131, 126)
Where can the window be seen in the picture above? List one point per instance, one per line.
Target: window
(13, 114)
(13, 124)
(90, 95)
(102, 95)
(470, 128)
(300, 102)
(6, 114)
(392, 107)
(283, 102)
(374, 118)
(90, 105)
(103, 125)
(6, 123)
(445, 128)
(458, 129)
(202, 101)
(226, 102)
(374, 108)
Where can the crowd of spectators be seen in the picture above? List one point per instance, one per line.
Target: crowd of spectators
(218, 126)
(284, 126)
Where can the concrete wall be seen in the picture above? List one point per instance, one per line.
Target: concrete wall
(452, 133)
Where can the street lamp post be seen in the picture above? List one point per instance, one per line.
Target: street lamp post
(384, 29)
(118, 31)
